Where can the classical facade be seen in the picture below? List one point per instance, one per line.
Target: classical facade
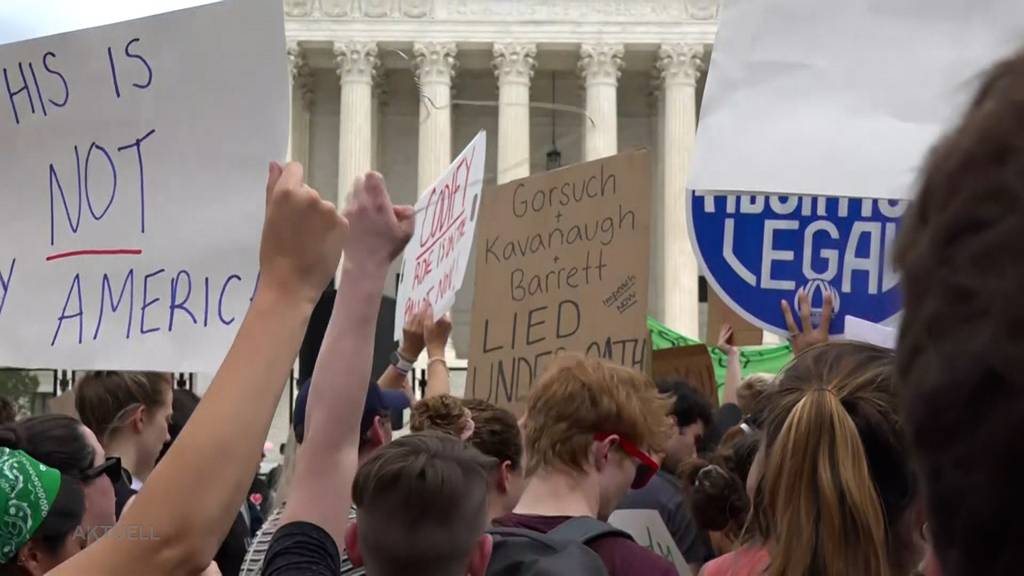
(398, 85)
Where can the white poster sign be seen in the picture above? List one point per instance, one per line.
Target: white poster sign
(649, 531)
(135, 158)
(437, 256)
(841, 97)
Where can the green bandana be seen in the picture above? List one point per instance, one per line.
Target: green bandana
(27, 490)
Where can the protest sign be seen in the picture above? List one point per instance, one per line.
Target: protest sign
(743, 333)
(863, 331)
(135, 158)
(841, 97)
(436, 258)
(691, 364)
(757, 250)
(562, 265)
(649, 530)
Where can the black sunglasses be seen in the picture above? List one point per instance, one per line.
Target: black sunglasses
(111, 468)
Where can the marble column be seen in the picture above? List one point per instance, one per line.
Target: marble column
(513, 66)
(300, 105)
(357, 62)
(380, 97)
(435, 66)
(680, 65)
(601, 66)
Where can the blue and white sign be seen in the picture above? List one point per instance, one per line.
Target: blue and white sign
(757, 250)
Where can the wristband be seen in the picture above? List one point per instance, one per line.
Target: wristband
(400, 363)
(438, 359)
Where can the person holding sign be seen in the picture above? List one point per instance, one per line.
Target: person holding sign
(303, 237)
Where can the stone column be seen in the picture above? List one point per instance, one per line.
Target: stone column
(601, 66)
(513, 67)
(300, 105)
(357, 62)
(380, 96)
(680, 65)
(435, 66)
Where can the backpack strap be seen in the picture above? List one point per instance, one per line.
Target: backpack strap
(584, 529)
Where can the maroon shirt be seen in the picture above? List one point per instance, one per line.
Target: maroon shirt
(621, 557)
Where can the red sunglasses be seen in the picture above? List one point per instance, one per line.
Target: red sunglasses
(646, 467)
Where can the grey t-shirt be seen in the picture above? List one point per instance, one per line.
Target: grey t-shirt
(664, 493)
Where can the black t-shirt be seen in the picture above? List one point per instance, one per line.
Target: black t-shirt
(302, 548)
(232, 550)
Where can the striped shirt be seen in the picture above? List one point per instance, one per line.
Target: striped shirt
(253, 564)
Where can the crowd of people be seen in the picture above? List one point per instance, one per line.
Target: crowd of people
(854, 460)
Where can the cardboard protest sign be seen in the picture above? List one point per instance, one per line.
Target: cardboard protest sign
(757, 250)
(649, 530)
(743, 333)
(437, 256)
(692, 364)
(135, 158)
(840, 97)
(561, 265)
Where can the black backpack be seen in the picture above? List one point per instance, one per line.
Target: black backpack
(561, 552)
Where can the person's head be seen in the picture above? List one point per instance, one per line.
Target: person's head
(496, 434)
(751, 390)
(717, 486)
(444, 413)
(40, 514)
(837, 483)
(129, 412)
(64, 443)
(8, 410)
(962, 265)
(690, 417)
(598, 421)
(422, 503)
(375, 424)
(183, 403)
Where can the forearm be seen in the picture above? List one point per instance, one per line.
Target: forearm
(326, 464)
(438, 378)
(223, 437)
(733, 375)
(393, 379)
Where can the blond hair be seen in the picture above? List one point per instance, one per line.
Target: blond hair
(578, 397)
(832, 421)
(751, 390)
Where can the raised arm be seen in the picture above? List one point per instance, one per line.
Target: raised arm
(302, 242)
(436, 336)
(408, 352)
(325, 467)
(733, 371)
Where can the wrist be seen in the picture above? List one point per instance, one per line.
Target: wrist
(435, 350)
(269, 295)
(410, 352)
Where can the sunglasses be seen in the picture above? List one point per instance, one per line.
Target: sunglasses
(646, 467)
(111, 468)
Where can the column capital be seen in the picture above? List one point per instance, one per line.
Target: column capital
(435, 61)
(356, 60)
(681, 63)
(601, 63)
(514, 62)
(297, 64)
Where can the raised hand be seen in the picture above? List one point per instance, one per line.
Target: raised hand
(807, 335)
(380, 230)
(725, 340)
(436, 333)
(303, 236)
(412, 336)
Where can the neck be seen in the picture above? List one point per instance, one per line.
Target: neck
(129, 455)
(497, 505)
(560, 493)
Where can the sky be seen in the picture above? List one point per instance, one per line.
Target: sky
(25, 19)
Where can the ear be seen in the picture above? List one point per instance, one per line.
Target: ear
(504, 477)
(602, 450)
(352, 544)
(380, 432)
(480, 556)
(29, 558)
(138, 421)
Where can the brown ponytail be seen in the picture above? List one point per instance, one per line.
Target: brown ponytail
(836, 482)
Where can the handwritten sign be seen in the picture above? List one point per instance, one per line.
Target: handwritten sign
(562, 265)
(759, 249)
(691, 364)
(436, 259)
(134, 158)
(649, 531)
